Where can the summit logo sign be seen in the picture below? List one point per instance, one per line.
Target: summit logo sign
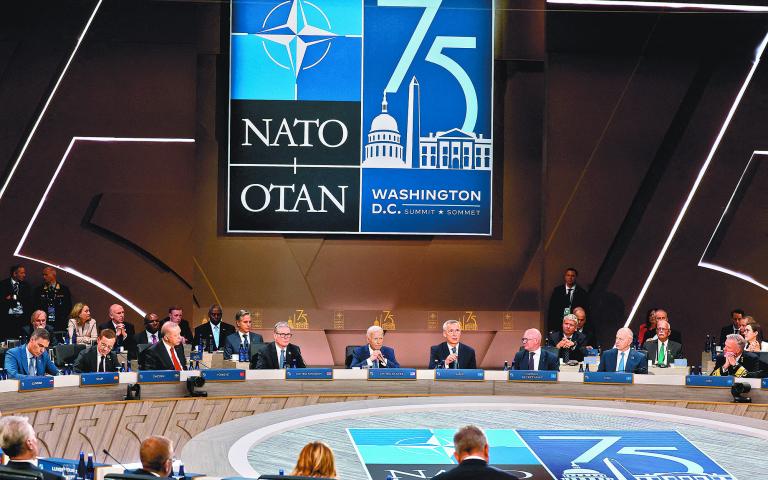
(360, 116)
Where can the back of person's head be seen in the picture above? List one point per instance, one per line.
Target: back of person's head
(14, 433)
(316, 460)
(156, 454)
(469, 440)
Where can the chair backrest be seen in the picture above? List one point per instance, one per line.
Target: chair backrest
(348, 354)
(8, 473)
(64, 354)
(143, 346)
(290, 477)
(257, 348)
(2, 357)
(127, 476)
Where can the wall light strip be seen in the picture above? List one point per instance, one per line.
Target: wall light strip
(50, 98)
(674, 5)
(699, 177)
(39, 207)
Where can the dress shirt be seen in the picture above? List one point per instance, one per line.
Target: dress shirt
(662, 347)
(216, 329)
(381, 362)
(536, 357)
(172, 354)
(451, 349)
(29, 359)
(619, 353)
(278, 348)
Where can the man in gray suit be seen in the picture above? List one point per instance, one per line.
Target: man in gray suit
(663, 351)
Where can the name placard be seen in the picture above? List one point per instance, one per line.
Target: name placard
(460, 374)
(591, 360)
(309, 374)
(196, 355)
(97, 379)
(159, 376)
(391, 374)
(764, 383)
(680, 362)
(609, 377)
(223, 375)
(30, 384)
(547, 376)
(61, 466)
(709, 381)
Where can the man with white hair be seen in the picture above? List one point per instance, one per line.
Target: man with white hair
(18, 441)
(451, 353)
(167, 354)
(734, 361)
(375, 354)
(621, 358)
(533, 357)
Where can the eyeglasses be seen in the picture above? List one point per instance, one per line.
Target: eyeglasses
(284, 335)
(105, 345)
(662, 329)
(525, 340)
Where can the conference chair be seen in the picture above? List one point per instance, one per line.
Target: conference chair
(66, 354)
(8, 473)
(348, 354)
(128, 476)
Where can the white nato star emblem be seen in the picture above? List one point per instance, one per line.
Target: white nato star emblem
(297, 35)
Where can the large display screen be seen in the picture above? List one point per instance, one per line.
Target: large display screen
(361, 117)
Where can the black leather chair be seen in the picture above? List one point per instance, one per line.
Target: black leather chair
(66, 354)
(256, 349)
(348, 355)
(8, 473)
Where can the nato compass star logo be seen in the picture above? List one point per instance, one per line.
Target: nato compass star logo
(296, 50)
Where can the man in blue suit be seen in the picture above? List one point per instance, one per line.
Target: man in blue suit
(31, 359)
(533, 357)
(375, 354)
(242, 336)
(620, 358)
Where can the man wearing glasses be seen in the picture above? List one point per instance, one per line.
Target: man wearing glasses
(99, 357)
(281, 353)
(532, 357)
(662, 350)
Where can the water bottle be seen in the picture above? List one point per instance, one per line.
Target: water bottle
(182, 475)
(708, 344)
(714, 353)
(74, 337)
(200, 344)
(581, 367)
(242, 355)
(81, 467)
(197, 364)
(506, 366)
(281, 472)
(586, 367)
(89, 468)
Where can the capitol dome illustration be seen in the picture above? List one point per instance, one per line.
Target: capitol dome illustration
(578, 473)
(383, 149)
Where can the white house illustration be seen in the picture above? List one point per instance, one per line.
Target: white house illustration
(450, 150)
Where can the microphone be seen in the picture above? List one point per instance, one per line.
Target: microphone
(106, 452)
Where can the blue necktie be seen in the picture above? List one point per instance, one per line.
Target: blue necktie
(621, 363)
(455, 363)
(282, 358)
(32, 369)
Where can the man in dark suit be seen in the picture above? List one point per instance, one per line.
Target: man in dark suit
(54, 299)
(533, 357)
(39, 320)
(242, 336)
(585, 328)
(663, 350)
(734, 361)
(736, 315)
(176, 315)
(15, 302)
(451, 353)
(99, 357)
(124, 332)
(19, 442)
(149, 336)
(620, 358)
(156, 455)
(280, 353)
(568, 341)
(167, 354)
(214, 330)
(565, 298)
(31, 359)
(472, 452)
(375, 354)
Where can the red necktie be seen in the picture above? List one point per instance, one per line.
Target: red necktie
(175, 360)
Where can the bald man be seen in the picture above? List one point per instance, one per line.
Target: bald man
(156, 454)
(532, 357)
(124, 331)
(167, 354)
(620, 358)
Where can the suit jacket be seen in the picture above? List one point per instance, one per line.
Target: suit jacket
(60, 301)
(86, 361)
(12, 323)
(547, 361)
(205, 331)
(16, 363)
(636, 362)
(141, 471)
(674, 349)
(438, 354)
(186, 331)
(26, 332)
(140, 339)
(590, 335)
(577, 352)
(725, 331)
(156, 358)
(360, 356)
(749, 366)
(120, 342)
(28, 467)
(473, 469)
(233, 341)
(268, 359)
(559, 301)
